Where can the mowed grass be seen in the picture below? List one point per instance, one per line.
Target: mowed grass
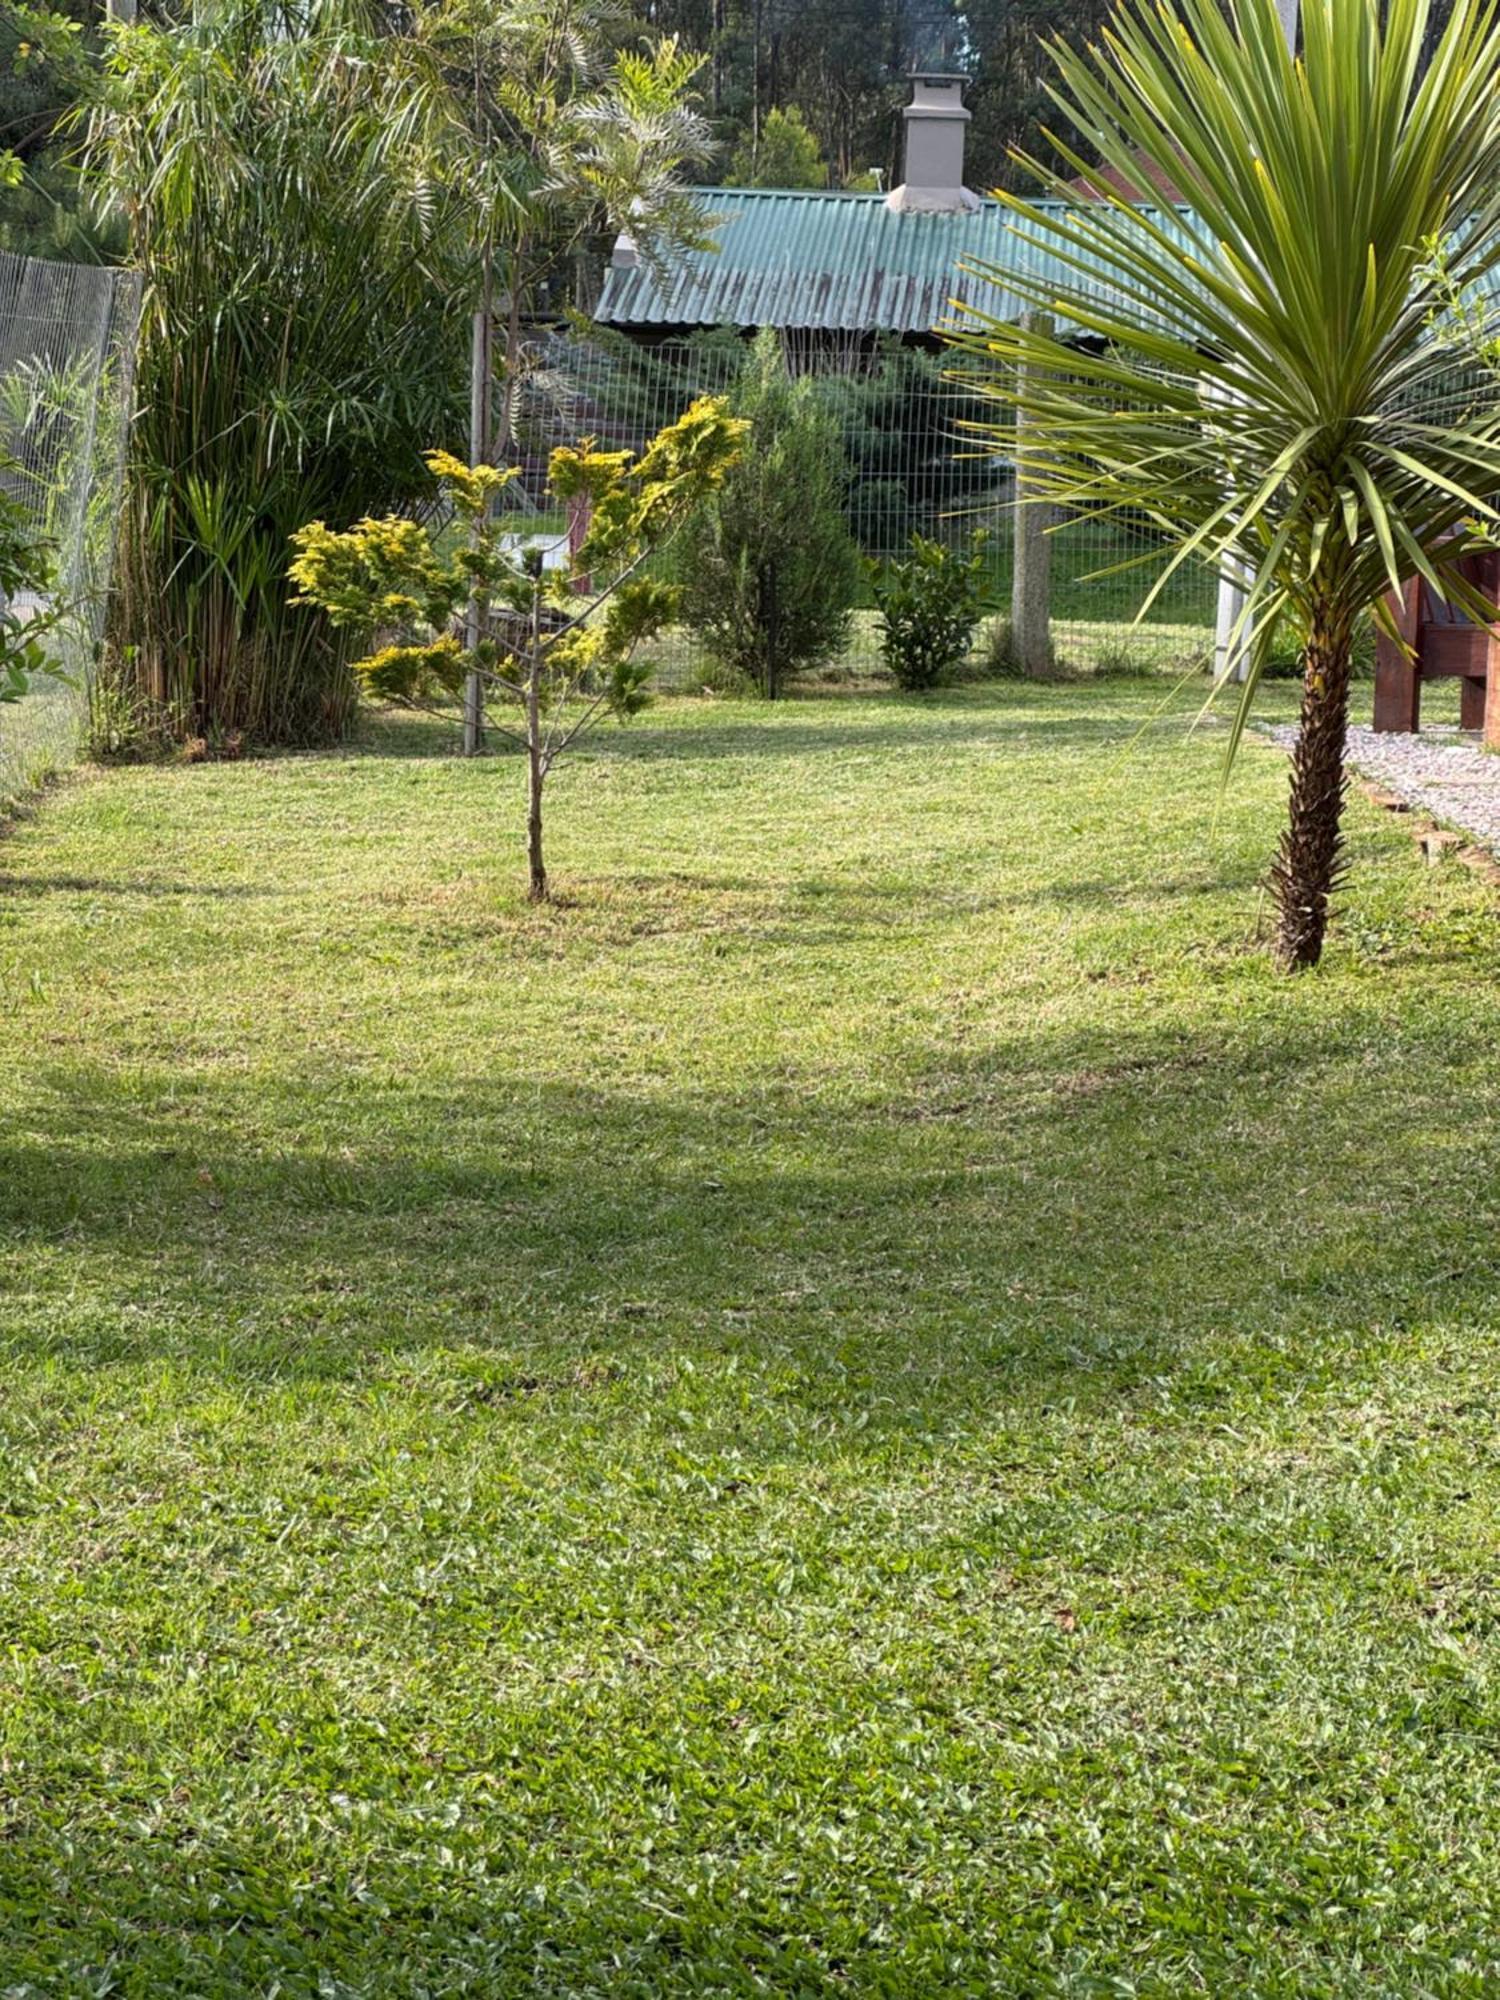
(872, 1406)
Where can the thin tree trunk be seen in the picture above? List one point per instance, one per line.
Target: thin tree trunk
(536, 768)
(536, 891)
(480, 369)
(1308, 862)
(773, 639)
(505, 442)
(755, 117)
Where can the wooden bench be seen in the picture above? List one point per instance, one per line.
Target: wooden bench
(1445, 645)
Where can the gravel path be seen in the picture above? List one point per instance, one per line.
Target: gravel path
(1442, 770)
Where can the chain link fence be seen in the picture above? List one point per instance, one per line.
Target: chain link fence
(911, 466)
(67, 342)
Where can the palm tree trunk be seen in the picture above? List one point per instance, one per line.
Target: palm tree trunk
(1308, 862)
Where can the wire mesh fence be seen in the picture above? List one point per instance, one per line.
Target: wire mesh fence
(67, 339)
(912, 465)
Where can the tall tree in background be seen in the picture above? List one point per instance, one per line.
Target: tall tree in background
(785, 156)
(573, 128)
(843, 64)
(839, 63)
(49, 60)
(1013, 65)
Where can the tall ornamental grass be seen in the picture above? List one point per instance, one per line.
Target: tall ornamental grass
(281, 183)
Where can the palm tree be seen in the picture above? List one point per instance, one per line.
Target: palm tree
(1289, 377)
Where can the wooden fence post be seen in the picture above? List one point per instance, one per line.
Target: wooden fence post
(1031, 582)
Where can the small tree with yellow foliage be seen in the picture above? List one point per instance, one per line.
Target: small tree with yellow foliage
(553, 651)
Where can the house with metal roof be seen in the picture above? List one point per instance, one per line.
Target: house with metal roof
(830, 263)
(815, 263)
(857, 285)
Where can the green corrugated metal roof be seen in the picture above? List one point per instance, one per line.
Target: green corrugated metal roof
(835, 262)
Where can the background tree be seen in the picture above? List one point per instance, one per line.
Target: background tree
(1272, 393)
(1010, 95)
(785, 156)
(843, 63)
(49, 60)
(769, 567)
(837, 62)
(555, 652)
(575, 129)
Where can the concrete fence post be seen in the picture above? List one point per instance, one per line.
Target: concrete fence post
(1231, 660)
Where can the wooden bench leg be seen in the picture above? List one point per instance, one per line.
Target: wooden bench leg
(1492, 698)
(1472, 701)
(1398, 679)
(1398, 688)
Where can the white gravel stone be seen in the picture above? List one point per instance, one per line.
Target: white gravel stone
(1445, 771)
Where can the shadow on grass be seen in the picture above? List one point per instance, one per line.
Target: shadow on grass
(100, 885)
(932, 735)
(206, 1913)
(1004, 713)
(1055, 1206)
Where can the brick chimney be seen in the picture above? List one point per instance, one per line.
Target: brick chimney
(933, 177)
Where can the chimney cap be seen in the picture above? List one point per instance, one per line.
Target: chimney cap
(934, 120)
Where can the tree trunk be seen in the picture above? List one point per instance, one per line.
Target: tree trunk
(1308, 862)
(755, 117)
(536, 765)
(536, 891)
(480, 370)
(773, 636)
(505, 442)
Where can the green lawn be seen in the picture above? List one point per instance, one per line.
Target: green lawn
(874, 1407)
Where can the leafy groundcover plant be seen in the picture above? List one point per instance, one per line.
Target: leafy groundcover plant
(1265, 373)
(552, 652)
